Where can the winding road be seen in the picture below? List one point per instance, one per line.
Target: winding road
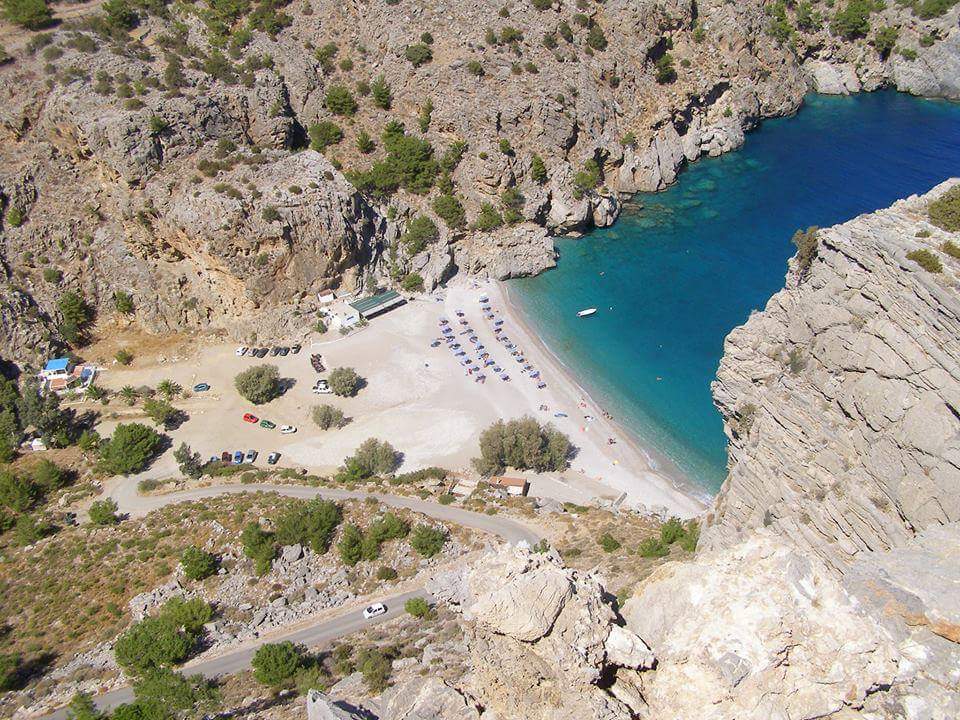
(131, 503)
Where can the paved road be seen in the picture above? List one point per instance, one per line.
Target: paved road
(130, 502)
(136, 505)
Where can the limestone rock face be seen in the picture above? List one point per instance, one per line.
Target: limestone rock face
(756, 631)
(321, 707)
(543, 642)
(426, 699)
(841, 398)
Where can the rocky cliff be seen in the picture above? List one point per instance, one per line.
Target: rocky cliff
(164, 156)
(841, 398)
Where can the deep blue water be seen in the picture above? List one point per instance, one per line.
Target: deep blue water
(682, 268)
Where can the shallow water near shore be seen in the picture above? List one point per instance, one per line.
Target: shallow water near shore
(682, 268)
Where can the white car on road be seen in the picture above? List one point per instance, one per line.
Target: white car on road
(241, 351)
(287, 429)
(374, 610)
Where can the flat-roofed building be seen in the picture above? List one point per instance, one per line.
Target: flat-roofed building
(374, 305)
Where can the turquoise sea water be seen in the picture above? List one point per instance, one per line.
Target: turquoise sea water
(682, 268)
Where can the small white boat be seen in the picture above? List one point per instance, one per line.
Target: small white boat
(587, 312)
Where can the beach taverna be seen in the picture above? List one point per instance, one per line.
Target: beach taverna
(374, 305)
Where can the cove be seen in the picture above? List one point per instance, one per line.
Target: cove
(683, 267)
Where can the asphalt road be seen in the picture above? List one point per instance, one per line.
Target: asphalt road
(321, 633)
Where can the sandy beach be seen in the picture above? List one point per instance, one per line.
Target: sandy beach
(417, 397)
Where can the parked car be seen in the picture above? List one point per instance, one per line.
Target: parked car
(272, 458)
(322, 388)
(266, 424)
(241, 351)
(214, 458)
(296, 349)
(238, 457)
(251, 456)
(250, 418)
(284, 351)
(274, 351)
(201, 387)
(374, 610)
(287, 429)
(225, 456)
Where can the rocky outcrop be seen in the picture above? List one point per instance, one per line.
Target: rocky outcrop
(426, 699)
(841, 398)
(321, 707)
(756, 631)
(543, 639)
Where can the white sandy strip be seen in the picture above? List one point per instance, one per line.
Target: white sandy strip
(417, 397)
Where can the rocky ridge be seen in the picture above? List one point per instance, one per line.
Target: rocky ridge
(841, 397)
(160, 165)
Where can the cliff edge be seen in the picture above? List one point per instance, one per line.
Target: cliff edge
(840, 399)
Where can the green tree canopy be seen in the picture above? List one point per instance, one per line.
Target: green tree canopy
(276, 664)
(29, 14)
(344, 381)
(259, 384)
(522, 444)
(129, 449)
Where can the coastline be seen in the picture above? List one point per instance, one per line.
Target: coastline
(641, 473)
(659, 463)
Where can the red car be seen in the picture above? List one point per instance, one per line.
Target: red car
(250, 418)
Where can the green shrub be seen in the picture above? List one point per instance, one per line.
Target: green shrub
(382, 97)
(488, 219)
(522, 444)
(446, 499)
(52, 275)
(29, 14)
(123, 302)
(350, 546)
(450, 211)
(671, 531)
(427, 541)
(884, 39)
(14, 216)
(312, 523)
(587, 179)
(908, 54)
(365, 143)
(665, 72)
(129, 449)
(76, 317)
(154, 642)
(421, 231)
(259, 546)
(944, 212)
(653, 548)
(324, 134)
(344, 381)
(538, 170)
(691, 536)
(409, 164)
(259, 384)
(270, 213)
(596, 39)
(327, 416)
(339, 101)
(807, 244)
(373, 457)
(375, 667)
(475, 67)
(104, 512)
(853, 19)
(608, 542)
(412, 282)
(198, 564)
(926, 259)
(386, 573)
(418, 54)
(951, 249)
(276, 664)
(418, 607)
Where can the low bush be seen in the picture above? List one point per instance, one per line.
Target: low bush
(653, 548)
(311, 523)
(926, 259)
(427, 541)
(418, 607)
(276, 664)
(944, 212)
(326, 417)
(608, 542)
(198, 564)
(373, 457)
